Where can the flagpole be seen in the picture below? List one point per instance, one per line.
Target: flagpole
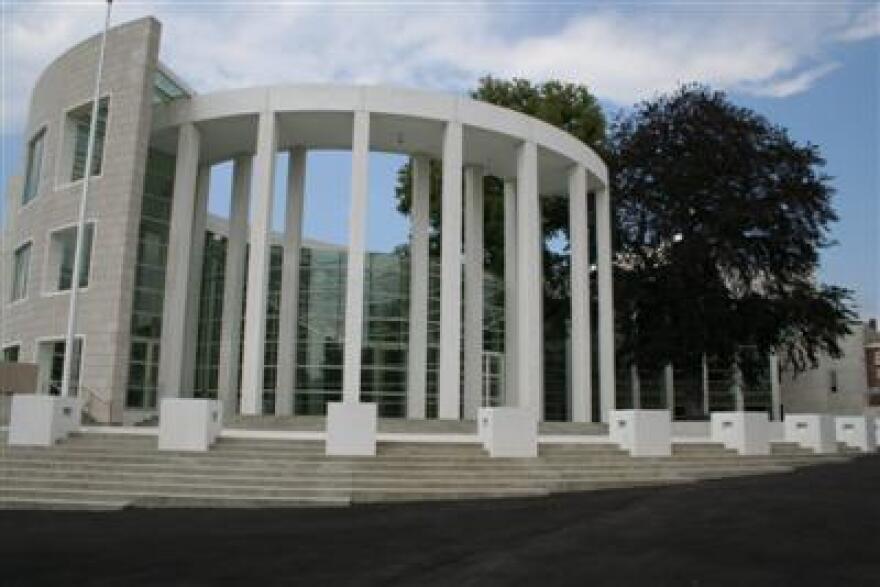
(80, 227)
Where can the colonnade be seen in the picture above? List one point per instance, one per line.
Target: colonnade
(462, 191)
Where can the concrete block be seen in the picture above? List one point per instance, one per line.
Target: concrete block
(42, 420)
(644, 433)
(777, 431)
(746, 432)
(189, 424)
(351, 429)
(699, 429)
(508, 432)
(857, 432)
(813, 431)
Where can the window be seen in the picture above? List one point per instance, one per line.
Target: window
(166, 89)
(10, 353)
(34, 164)
(21, 267)
(877, 358)
(62, 257)
(832, 380)
(78, 124)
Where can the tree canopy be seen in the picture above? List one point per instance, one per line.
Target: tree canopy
(719, 220)
(568, 106)
(720, 217)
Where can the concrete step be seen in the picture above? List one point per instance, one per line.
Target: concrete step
(269, 459)
(54, 495)
(265, 486)
(389, 475)
(403, 460)
(105, 471)
(35, 502)
(194, 496)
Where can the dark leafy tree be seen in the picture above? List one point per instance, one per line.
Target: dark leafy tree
(720, 220)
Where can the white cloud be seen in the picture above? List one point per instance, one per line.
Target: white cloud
(789, 86)
(624, 55)
(864, 25)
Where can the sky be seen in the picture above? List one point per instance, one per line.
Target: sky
(813, 67)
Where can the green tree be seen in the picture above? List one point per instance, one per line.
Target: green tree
(720, 220)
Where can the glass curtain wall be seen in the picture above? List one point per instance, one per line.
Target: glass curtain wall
(321, 329)
(210, 316)
(149, 286)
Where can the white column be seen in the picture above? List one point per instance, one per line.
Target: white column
(357, 226)
(775, 392)
(606, 302)
(287, 318)
(636, 386)
(738, 391)
(236, 245)
(510, 339)
(529, 371)
(171, 365)
(579, 243)
(262, 191)
(417, 354)
(194, 285)
(705, 370)
(450, 276)
(669, 385)
(473, 291)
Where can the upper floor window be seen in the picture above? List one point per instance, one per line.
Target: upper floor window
(79, 121)
(34, 163)
(20, 269)
(832, 381)
(62, 254)
(10, 353)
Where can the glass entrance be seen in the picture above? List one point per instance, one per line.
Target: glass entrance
(143, 374)
(493, 379)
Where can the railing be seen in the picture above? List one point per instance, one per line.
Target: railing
(94, 404)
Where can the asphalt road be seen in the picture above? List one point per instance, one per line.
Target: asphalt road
(817, 526)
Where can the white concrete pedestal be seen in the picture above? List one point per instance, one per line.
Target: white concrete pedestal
(746, 432)
(42, 420)
(351, 429)
(813, 431)
(644, 433)
(189, 424)
(508, 432)
(856, 432)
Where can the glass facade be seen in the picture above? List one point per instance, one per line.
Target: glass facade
(21, 264)
(210, 316)
(149, 286)
(165, 89)
(81, 119)
(34, 165)
(320, 329)
(66, 240)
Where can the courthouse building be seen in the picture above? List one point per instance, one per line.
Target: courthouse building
(176, 301)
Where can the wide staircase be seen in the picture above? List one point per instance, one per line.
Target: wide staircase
(111, 471)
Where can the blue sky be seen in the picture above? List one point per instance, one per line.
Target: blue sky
(813, 67)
